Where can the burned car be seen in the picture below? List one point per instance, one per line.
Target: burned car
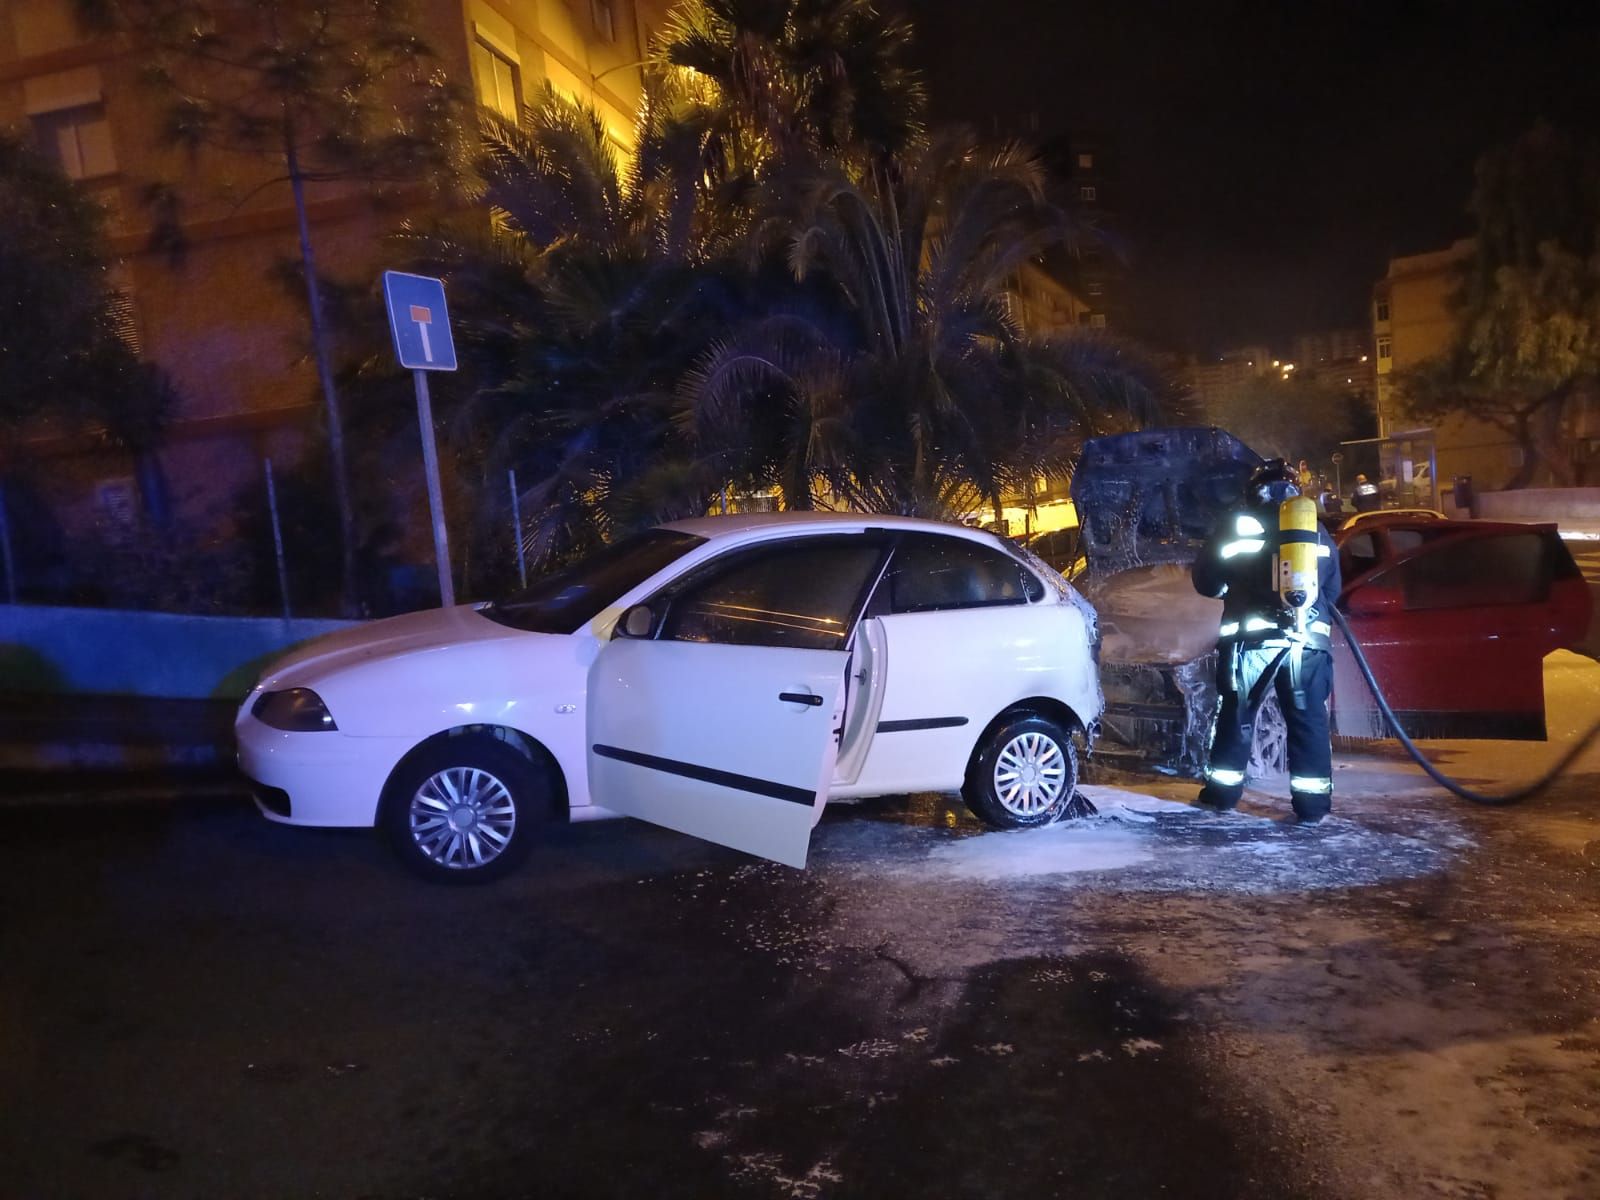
(1146, 502)
(1417, 590)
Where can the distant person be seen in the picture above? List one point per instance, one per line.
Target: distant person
(1365, 495)
(1303, 477)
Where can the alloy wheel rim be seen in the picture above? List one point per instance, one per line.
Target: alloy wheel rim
(1030, 774)
(462, 818)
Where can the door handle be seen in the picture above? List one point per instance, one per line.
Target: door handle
(800, 698)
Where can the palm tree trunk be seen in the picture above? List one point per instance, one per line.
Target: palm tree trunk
(330, 395)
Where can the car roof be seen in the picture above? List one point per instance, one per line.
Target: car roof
(1383, 516)
(1443, 525)
(736, 524)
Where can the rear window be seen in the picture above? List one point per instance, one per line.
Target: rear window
(933, 572)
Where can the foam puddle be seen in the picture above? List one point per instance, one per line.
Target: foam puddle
(1113, 841)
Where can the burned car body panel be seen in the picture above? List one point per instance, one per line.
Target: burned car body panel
(1147, 502)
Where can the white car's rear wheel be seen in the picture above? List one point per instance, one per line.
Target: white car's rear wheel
(1023, 774)
(463, 809)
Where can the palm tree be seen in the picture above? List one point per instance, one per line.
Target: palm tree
(897, 379)
(824, 80)
(578, 308)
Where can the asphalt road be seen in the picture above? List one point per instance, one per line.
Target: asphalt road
(1402, 1002)
(1160, 1001)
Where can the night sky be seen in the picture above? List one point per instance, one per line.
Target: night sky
(1270, 156)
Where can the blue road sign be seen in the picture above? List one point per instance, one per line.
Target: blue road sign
(419, 322)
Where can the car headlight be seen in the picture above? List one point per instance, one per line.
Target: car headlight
(297, 710)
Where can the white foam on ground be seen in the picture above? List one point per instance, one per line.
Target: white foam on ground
(1063, 849)
(1122, 836)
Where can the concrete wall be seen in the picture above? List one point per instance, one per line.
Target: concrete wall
(1539, 504)
(109, 652)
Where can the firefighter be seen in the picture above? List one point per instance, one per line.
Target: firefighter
(1365, 498)
(1271, 637)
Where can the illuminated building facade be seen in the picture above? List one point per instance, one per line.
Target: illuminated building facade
(233, 339)
(1412, 322)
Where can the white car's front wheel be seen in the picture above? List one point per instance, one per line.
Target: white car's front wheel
(463, 810)
(1023, 774)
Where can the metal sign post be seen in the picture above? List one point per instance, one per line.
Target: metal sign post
(421, 328)
(277, 539)
(5, 552)
(516, 526)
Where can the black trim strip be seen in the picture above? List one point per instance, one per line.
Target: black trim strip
(920, 723)
(1288, 537)
(727, 779)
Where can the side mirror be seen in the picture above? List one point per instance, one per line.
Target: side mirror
(1374, 601)
(637, 622)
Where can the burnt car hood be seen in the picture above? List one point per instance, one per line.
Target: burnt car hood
(1153, 496)
(1147, 501)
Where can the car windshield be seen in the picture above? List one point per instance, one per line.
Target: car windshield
(566, 600)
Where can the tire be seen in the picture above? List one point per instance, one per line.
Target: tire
(1011, 747)
(446, 840)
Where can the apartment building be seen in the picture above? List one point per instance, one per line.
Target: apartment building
(233, 339)
(1412, 322)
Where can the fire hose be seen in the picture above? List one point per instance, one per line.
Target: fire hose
(1516, 796)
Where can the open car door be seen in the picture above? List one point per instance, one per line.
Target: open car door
(715, 709)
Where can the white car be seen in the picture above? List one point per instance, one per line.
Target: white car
(722, 677)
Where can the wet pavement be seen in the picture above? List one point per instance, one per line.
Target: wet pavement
(1158, 1001)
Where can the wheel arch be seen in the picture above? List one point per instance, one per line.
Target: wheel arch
(1038, 706)
(528, 747)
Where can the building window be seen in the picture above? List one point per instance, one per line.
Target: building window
(1097, 320)
(495, 76)
(1381, 310)
(1085, 162)
(1385, 348)
(118, 503)
(1094, 287)
(605, 19)
(79, 139)
(125, 319)
(1087, 192)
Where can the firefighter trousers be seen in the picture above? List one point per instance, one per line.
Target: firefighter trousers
(1302, 688)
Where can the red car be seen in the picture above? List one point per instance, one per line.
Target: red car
(1455, 618)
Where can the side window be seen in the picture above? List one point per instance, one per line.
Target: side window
(1403, 541)
(931, 572)
(1358, 554)
(1473, 572)
(801, 594)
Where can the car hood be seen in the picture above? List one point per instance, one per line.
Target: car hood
(394, 637)
(1153, 496)
(1152, 614)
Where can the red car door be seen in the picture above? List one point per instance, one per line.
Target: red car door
(1456, 630)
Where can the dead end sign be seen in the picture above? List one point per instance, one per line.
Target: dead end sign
(419, 322)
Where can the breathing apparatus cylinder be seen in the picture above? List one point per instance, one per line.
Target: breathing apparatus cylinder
(1295, 564)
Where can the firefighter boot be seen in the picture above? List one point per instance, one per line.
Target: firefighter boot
(1223, 796)
(1310, 807)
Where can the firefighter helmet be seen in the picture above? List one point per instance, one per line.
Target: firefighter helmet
(1272, 482)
